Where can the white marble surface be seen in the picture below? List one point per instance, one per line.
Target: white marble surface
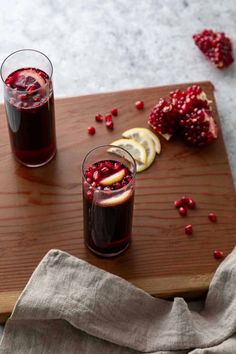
(99, 46)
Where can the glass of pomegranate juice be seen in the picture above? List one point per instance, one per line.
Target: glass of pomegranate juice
(29, 103)
(108, 197)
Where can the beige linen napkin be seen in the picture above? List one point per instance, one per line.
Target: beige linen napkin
(70, 307)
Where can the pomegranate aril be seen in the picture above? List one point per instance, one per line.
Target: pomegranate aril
(109, 125)
(90, 194)
(36, 98)
(105, 171)
(189, 229)
(212, 217)
(89, 180)
(22, 97)
(12, 100)
(96, 176)
(118, 185)
(98, 117)
(108, 118)
(218, 254)
(139, 105)
(108, 164)
(182, 211)
(185, 200)
(178, 203)
(117, 166)
(91, 130)
(114, 111)
(191, 204)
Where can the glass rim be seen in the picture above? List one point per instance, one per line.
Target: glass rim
(27, 50)
(116, 190)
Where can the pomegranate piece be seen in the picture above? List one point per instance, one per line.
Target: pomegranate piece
(114, 112)
(98, 117)
(212, 217)
(139, 105)
(199, 127)
(163, 119)
(178, 203)
(216, 46)
(96, 176)
(91, 130)
(188, 229)
(183, 211)
(109, 125)
(191, 204)
(185, 101)
(218, 254)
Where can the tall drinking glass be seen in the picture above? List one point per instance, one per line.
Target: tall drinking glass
(108, 198)
(29, 103)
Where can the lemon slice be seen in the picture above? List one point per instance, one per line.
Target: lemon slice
(137, 134)
(116, 177)
(142, 138)
(118, 199)
(133, 147)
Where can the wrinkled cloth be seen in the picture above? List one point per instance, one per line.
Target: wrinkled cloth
(72, 307)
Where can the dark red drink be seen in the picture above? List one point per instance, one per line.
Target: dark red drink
(108, 199)
(29, 106)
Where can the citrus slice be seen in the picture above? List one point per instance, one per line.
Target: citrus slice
(116, 177)
(134, 133)
(133, 147)
(29, 78)
(118, 199)
(142, 138)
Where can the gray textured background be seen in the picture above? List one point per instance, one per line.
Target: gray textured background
(99, 46)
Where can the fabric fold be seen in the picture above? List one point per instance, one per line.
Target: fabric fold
(70, 306)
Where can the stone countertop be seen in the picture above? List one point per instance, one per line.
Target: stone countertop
(99, 46)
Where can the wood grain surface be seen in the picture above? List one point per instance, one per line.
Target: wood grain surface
(41, 208)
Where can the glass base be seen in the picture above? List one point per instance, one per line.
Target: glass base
(108, 255)
(38, 165)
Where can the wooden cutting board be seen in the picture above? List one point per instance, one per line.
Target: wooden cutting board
(41, 209)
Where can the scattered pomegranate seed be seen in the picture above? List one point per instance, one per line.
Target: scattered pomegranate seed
(139, 105)
(91, 130)
(114, 111)
(218, 254)
(178, 203)
(98, 117)
(183, 211)
(185, 200)
(212, 217)
(189, 229)
(109, 125)
(108, 118)
(191, 204)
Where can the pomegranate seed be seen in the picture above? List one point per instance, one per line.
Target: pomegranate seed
(212, 217)
(37, 98)
(96, 176)
(183, 211)
(118, 185)
(109, 125)
(178, 203)
(185, 200)
(98, 117)
(139, 105)
(108, 118)
(90, 194)
(109, 165)
(22, 97)
(218, 254)
(105, 171)
(114, 112)
(89, 180)
(189, 229)
(12, 100)
(116, 166)
(94, 184)
(191, 204)
(91, 130)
